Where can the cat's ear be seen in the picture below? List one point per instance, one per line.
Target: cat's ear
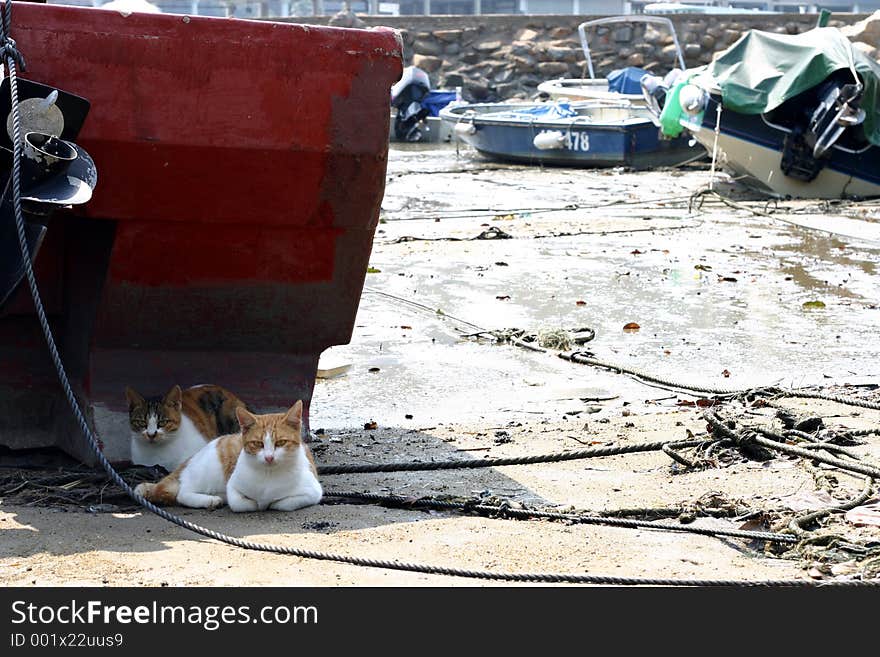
(245, 418)
(174, 397)
(134, 399)
(293, 417)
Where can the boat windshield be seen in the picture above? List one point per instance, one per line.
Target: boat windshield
(603, 40)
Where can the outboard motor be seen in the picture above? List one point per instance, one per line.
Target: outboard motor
(838, 110)
(407, 95)
(818, 125)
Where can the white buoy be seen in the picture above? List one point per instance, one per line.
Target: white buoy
(549, 140)
(692, 99)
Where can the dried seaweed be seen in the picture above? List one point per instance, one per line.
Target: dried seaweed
(78, 488)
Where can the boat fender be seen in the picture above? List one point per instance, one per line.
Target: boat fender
(462, 129)
(549, 140)
(692, 99)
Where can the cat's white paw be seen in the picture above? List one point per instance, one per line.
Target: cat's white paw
(295, 502)
(143, 489)
(243, 505)
(213, 502)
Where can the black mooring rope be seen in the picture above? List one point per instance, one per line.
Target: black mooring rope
(506, 511)
(8, 48)
(589, 359)
(460, 464)
(746, 437)
(839, 399)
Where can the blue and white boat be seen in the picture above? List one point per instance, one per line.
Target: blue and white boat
(791, 115)
(585, 134)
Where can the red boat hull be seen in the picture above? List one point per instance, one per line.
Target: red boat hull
(241, 170)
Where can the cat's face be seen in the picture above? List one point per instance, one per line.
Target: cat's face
(271, 440)
(152, 419)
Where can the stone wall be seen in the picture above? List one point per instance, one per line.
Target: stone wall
(499, 57)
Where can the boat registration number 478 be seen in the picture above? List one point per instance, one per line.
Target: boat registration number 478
(577, 141)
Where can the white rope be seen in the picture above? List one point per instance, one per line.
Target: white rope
(715, 146)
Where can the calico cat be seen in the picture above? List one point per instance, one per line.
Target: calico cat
(168, 430)
(264, 466)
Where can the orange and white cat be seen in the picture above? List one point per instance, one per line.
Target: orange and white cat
(168, 430)
(265, 466)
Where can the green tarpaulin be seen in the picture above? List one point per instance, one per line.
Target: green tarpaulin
(762, 70)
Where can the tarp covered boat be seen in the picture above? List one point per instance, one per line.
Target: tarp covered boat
(242, 168)
(797, 115)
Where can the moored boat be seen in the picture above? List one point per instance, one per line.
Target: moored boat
(587, 134)
(242, 169)
(791, 115)
(622, 84)
(415, 108)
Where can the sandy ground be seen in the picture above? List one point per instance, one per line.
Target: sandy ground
(56, 546)
(435, 396)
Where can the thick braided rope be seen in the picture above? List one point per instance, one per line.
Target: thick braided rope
(797, 524)
(840, 399)
(593, 452)
(584, 359)
(506, 511)
(746, 436)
